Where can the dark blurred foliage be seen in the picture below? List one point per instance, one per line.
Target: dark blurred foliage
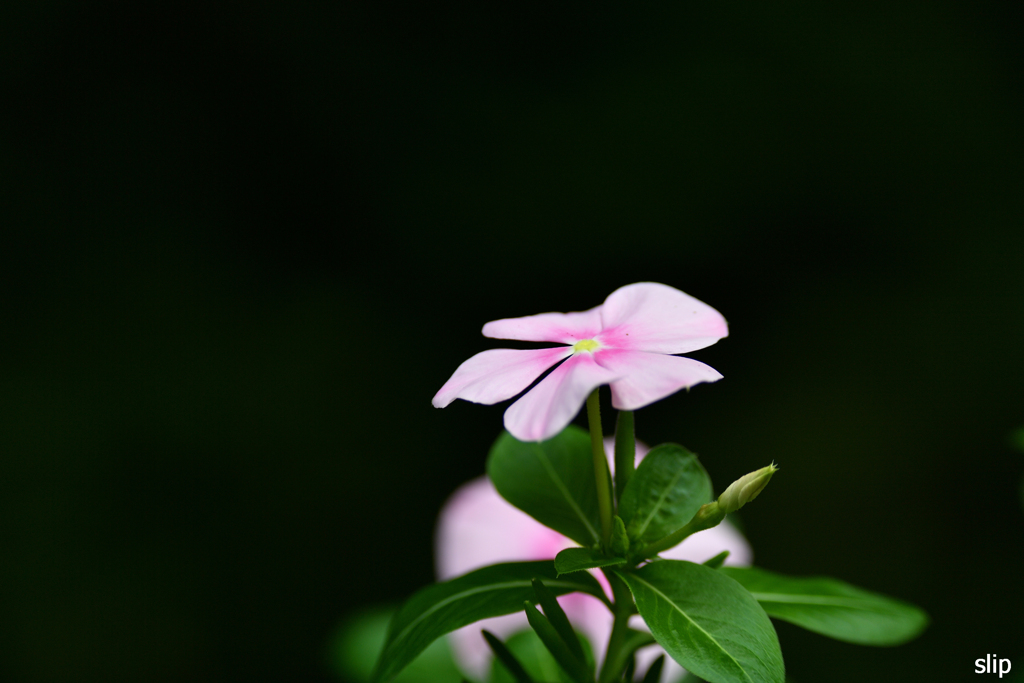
(242, 245)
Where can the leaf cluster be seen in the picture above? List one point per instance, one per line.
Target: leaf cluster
(713, 620)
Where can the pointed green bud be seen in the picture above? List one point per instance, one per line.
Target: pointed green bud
(718, 560)
(620, 541)
(745, 489)
(709, 515)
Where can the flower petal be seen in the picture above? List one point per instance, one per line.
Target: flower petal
(498, 374)
(550, 406)
(650, 377)
(648, 316)
(566, 328)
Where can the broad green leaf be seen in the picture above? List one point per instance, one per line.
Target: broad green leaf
(832, 608)
(707, 622)
(535, 658)
(577, 559)
(664, 493)
(443, 607)
(552, 481)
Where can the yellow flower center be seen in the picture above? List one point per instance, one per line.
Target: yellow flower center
(585, 345)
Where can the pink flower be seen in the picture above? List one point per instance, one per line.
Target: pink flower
(626, 342)
(477, 527)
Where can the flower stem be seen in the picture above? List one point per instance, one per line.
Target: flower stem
(601, 475)
(625, 451)
(614, 659)
(708, 516)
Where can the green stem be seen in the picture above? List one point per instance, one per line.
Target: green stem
(601, 476)
(625, 451)
(708, 516)
(616, 656)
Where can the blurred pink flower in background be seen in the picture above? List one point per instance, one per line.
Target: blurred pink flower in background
(477, 527)
(628, 342)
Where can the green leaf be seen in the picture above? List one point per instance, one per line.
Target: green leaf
(664, 493)
(707, 622)
(536, 659)
(353, 651)
(630, 673)
(577, 559)
(832, 608)
(556, 615)
(653, 674)
(507, 659)
(443, 607)
(718, 560)
(552, 481)
(572, 665)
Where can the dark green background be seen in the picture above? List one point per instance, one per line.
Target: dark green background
(243, 244)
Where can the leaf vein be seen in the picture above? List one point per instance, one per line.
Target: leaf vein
(803, 599)
(549, 468)
(696, 625)
(658, 505)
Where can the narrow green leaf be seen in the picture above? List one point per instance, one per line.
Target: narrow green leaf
(578, 559)
(507, 659)
(718, 560)
(536, 659)
(653, 674)
(552, 481)
(664, 493)
(707, 622)
(576, 669)
(443, 607)
(832, 607)
(556, 615)
(630, 671)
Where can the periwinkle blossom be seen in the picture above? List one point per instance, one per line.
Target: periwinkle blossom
(477, 528)
(628, 342)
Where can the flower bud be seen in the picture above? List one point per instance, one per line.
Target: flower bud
(620, 541)
(745, 489)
